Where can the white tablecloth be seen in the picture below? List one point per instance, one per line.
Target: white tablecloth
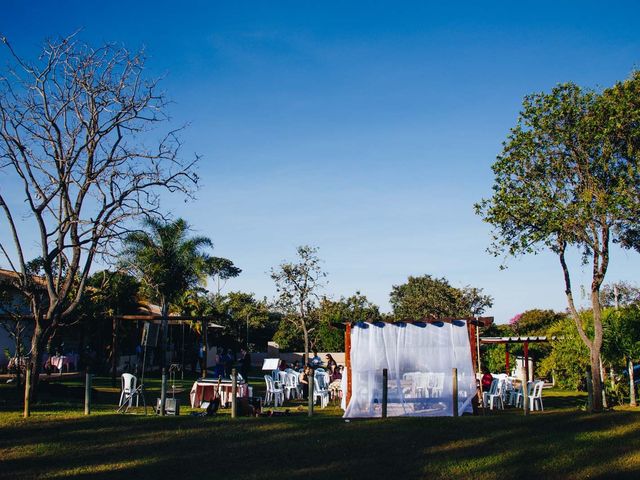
(204, 392)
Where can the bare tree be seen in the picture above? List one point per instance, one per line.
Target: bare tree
(74, 125)
(297, 285)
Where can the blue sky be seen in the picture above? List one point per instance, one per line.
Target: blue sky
(365, 129)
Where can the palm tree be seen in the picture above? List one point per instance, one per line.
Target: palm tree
(168, 263)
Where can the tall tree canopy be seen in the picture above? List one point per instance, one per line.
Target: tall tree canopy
(168, 262)
(71, 128)
(426, 296)
(569, 177)
(356, 308)
(297, 284)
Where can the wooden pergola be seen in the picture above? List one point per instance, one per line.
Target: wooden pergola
(525, 340)
(157, 319)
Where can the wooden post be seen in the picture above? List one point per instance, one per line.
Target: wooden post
(385, 391)
(526, 361)
(311, 380)
(525, 395)
(347, 351)
(87, 392)
(205, 344)
(234, 392)
(114, 351)
(163, 391)
(506, 358)
(454, 383)
(27, 389)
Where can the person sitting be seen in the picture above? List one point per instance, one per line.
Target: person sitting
(282, 366)
(331, 363)
(487, 379)
(336, 374)
(296, 366)
(229, 360)
(303, 380)
(335, 387)
(316, 361)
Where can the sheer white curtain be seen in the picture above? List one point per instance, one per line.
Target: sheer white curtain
(419, 359)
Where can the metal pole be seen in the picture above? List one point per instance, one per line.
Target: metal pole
(163, 391)
(87, 392)
(234, 392)
(454, 383)
(311, 381)
(385, 388)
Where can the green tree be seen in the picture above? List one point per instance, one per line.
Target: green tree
(569, 356)
(168, 263)
(425, 296)
(568, 178)
(109, 293)
(356, 308)
(476, 301)
(619, 294)
(297, 284)
(622, 341)
(243, 314)
(220, 270)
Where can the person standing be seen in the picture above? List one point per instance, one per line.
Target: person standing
(316, 361)
(245, 364)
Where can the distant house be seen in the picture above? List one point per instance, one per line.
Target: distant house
(14, 314)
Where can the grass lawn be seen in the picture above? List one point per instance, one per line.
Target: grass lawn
(59, 442)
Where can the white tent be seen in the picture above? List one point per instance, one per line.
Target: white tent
(419, 358)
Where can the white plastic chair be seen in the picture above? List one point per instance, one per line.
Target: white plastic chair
(421, 384)
(535, 399)
(273, 394)
(291, 389)
(520, 396)
(281, 380)
(320, 392)
(496, 397)
(437, 385)
(129, 383)
(492, 391)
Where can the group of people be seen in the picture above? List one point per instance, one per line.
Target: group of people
(225, 361)
(330, 365)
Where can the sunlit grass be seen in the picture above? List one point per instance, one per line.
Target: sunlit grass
(561, 442)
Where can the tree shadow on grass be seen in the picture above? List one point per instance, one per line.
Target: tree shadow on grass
(557, 445)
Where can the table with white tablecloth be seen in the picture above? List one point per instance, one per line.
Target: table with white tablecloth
(204, 391)
(59, 362)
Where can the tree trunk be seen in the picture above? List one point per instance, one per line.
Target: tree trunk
(34, 364)
(596, 406)
(603, 379)
(632, 384)
(306, 344)
(612, 375)
(18, 355)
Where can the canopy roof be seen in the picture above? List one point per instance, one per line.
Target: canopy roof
(520, 339)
